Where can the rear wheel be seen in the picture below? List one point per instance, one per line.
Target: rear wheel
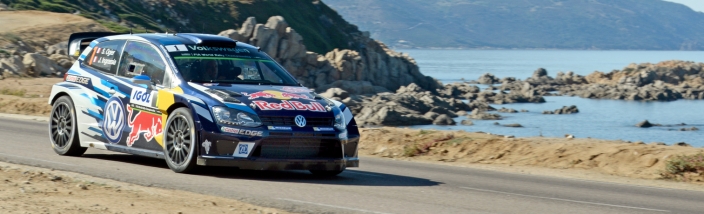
(63, 128)
(326, 173)
(179, 141)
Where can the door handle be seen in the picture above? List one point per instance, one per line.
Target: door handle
(111, 91)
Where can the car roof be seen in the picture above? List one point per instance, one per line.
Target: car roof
(180, 39)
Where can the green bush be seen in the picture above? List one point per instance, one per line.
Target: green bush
(680, 166)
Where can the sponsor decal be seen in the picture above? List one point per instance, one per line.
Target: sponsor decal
(300, 121)
(78, 79)
(295, 89)
(243, 149)
(280, 128)
(289, 105)
(143, 123)
(323, 129)
(176, 48)
(114, 120)
(221, 49)
(277, 95)
(206, 145)
(140, 96)
(242, 131)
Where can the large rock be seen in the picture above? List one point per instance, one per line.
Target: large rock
(481, 115)
(488, 78)
(564, 110)
(443, 119)
(38, 65)
(372, 63)
(335, 93)
(12, 65)
(644, 124)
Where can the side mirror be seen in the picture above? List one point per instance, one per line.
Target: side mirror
(142, 80)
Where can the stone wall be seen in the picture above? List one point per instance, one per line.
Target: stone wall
(371, 68)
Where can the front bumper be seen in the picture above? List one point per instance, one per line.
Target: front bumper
(287, 150)
(278, 164)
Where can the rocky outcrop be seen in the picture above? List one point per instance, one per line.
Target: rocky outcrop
(487, 78)
(564, 110)
(481, 115)
(644, 124)
(372, 68)
(410, 105)
(507, 110)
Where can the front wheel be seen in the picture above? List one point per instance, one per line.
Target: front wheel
(180, 141)
(62, 128)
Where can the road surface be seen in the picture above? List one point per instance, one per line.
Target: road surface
(378, 186)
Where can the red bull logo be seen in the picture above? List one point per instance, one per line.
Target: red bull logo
(289, 105)
(276, 95)
(143, 123)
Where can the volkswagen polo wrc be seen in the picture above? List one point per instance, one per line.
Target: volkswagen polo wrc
(196, 99)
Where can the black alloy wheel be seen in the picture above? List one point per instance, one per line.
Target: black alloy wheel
(180, 141)
(63, 128)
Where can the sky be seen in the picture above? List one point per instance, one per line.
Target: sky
(696, 5)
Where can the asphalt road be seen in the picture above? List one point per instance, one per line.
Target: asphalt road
(378, 186)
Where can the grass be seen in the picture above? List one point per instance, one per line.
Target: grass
(685, 167)
(13, 92)
(11, 37)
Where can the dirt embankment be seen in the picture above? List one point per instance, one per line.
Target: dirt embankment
(37, 29)
(25, 189)
(634, 160)
(28, 96)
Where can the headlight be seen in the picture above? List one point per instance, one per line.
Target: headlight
(339, 119)
(228, 116)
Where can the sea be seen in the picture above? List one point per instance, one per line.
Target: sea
(600, 119)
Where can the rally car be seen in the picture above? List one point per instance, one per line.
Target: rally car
(196, 99)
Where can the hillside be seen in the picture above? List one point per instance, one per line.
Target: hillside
(321, 27)
(553, 24)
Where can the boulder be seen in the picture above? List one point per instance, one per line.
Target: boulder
(335, 92)
(38, 65)
(467, 123)
(480, 115)
(60, 48)
(488, 78)
(682, 144)
(564, 110)
(644, 124)
(12, 65)
(462, 113)
(443, 119)
(507, 110)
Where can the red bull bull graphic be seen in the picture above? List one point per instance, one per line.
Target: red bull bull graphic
(276, 95)
(290, 105)
(145, 123)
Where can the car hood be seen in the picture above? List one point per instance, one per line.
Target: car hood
(269, 100)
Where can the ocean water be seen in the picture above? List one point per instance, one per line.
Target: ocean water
(602, 119)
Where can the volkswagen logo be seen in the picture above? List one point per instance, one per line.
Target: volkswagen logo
(300, 121)
(113, 120)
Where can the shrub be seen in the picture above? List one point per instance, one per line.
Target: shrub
(685, 167)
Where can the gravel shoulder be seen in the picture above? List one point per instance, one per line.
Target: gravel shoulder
(26, 189)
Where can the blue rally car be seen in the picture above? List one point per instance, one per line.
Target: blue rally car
(196, 99)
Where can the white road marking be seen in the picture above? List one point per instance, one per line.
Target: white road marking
(333, 206)
(68, 164)
(567, 200)
(362, 173)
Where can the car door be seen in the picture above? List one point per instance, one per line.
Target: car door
(144, 121)
(97, 74)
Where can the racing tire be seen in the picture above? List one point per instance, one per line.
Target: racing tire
(326, 173)
(180, 141)
(63, 132)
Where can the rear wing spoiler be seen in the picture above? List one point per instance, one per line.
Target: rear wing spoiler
(77, 42)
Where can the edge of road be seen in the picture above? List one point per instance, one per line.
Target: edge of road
(573, 174)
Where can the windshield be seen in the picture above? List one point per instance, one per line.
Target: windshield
(204, 64)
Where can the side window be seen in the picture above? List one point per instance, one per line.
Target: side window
(141, 58)
(105, 55)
